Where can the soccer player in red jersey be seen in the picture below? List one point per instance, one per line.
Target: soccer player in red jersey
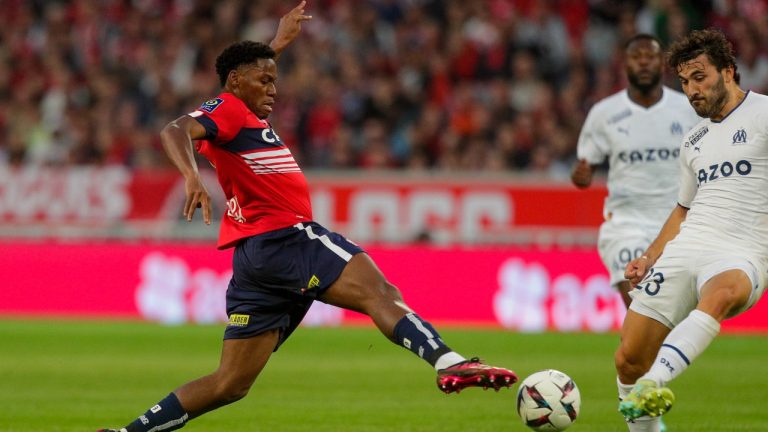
(283, 261)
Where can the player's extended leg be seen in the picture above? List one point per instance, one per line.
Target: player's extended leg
(641, 338)
(624, 288)
(362, 287)
(721, 296)
(241, 362)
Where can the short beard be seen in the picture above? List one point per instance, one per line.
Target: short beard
(719, 97)
(644, 88)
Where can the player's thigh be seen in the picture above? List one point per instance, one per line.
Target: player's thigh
(243, 359)
(667, 293)
(277, 275)
(618, 244)
(729, 285)
(361, 287)
(624, 287)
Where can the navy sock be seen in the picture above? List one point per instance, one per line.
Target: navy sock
(420, 337)
(167, 415)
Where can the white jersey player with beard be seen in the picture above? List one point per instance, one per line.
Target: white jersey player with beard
(710, 259)
(642, 146)
(724, 184)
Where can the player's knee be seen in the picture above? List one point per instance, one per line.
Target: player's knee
(723, 301)
(384, 297)
(732, 299)
(233, 391)
(391, 292)
(380, 290)
(231, 387)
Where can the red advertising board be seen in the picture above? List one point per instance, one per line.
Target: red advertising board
(369, 208)
(518, 289)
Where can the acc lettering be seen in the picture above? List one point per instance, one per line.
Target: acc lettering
(648, 155)
(269, 136)
(725, 169)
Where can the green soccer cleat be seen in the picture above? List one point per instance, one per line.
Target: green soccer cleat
(646, 398)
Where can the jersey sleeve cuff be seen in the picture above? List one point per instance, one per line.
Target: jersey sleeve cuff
(211, 130)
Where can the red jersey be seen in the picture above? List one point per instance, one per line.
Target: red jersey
(264, 186)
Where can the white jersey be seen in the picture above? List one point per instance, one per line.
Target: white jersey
(724, 181)
(642, 146)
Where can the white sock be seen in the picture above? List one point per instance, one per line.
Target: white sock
(681, 347)
(448, 359)
(642, 424)
(624, 389)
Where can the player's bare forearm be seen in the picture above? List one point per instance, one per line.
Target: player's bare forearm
(289, 28)
(669, 231)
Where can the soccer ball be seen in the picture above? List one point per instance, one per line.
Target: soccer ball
(548, 400)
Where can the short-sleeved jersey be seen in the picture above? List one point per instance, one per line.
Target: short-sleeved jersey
(724, 180)
(264, 187)
(642, 146)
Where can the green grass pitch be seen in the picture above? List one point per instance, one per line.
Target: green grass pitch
(82, 375)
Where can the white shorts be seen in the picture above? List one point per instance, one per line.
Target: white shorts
(672, 288)
(620, 242)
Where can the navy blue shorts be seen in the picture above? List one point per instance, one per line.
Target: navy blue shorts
(277, 275)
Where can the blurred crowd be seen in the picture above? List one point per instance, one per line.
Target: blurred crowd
(474, 85)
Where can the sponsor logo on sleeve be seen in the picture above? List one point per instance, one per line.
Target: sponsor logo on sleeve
(619, 116)
(211, 105)
(695, 137)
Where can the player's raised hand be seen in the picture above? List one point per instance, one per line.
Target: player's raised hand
(289, 27)
(581, 176)
(197, 197)
(636, 269)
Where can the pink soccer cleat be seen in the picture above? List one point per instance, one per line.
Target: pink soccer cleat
(473, 373)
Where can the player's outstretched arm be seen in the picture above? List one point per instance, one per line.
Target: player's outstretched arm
(177, 138)
(636, 269)
(289, 28)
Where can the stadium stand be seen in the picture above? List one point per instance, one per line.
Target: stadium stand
(492, 85)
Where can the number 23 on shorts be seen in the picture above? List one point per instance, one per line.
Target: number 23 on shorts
(651, 283)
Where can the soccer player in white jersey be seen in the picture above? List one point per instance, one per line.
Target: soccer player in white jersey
(710, 260)
(638, 130)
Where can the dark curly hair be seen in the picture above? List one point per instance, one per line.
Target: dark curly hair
(241, 53)
(711, 42)
(641, 36)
